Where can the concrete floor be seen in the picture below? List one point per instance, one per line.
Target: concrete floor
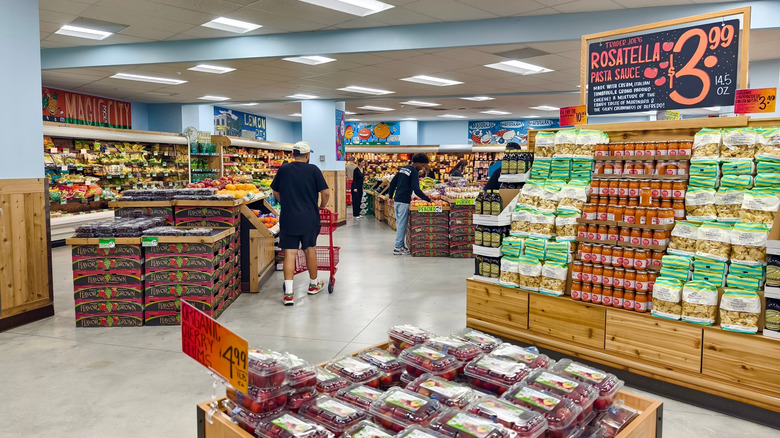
(61, 381)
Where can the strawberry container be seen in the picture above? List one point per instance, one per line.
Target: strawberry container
(406, 379)
(457, 424)
(366, 429)
(418, 432)
(580, 393)
(355, 370)
(420, 360)
(335, 415)
(523, 355)
(259, 400)
(301, 374)
(399, 408)
(494, 374)
(328, 383)
(525, 422)
(267, 368)
(606, 384)
(289, 425)
(448, 393)
(298, 397)
(484, 341)
(358, 395)
(615, 418)
(462, 350)
(561, 413)
(245, 418)
(387, 363)
(406, 335)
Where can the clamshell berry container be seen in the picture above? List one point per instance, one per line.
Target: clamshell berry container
(267, 368)
(387, 363)
(525, 356)
(448, 393)
(289, 425)
(525, 422)
(561, 414)
(494, 374)
(301, 374)
(355, 370)
(366, 429)
(420, 360)
(399, 408)
(406, 335)
(298, 397)
(335, 415)
(329, 383)
(580, 393)
(358, 395)
(606, 384)
(457, 424)
(462, 350)
(484, 341)
(259, 400)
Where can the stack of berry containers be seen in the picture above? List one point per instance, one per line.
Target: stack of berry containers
(465, 352)
(580, 393)
(289, 425)
(606, 384)
(484, 341)
(457, 424)
(260, 400)
(298, 397)
(418, 432)
(615, 418)
(404, 336)
(355, 370)
(329, 383)
(494, 374)
(524, 422)
(421, 359)
(267, 391)
(399, 408)
(302, 378)
(522, 355)
(245, 418)
(366, 429)
(448, 393)
(335, 415)
(561, 413)
(358, 395)
(387, 363)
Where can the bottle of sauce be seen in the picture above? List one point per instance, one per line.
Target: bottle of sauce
(649, 167)
(617, 297)
(628, 300)
(671, 167)
(619, 168)
(606, 255)
(633, 188)
(629, 215)
(640, 259)
(678, 190)
(598, 168)
(478, 235)
(678, 207)
(602, 150)
(636, 236)
(617, 257)
(614, 187)
(665, 216)
(598, 275)
(647, 238)
(584, 250)
(603, 211)
(618, 278)
(616, 149)
(645, 194)
(576, 271)
(640, 302)
(650, 215)
(639, 149)
(587, 291)
(628, 257)
(582, 231)
(593, 231)
(595, 296)
(496, 204)
(662, 148)
(595, 255)
(623, 189)
(625, 235)
(602, 231)
(629, 281)
(642, 279)
(606, 296)
(589, 212)
(629, 149)
(660, 238)
(587, 273)
(576, 290)
(657, 259)
(478, 203)
(655, 189)
(608, 276)
(617, 212)
(608, 167)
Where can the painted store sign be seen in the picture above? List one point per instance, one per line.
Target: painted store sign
(82, 109)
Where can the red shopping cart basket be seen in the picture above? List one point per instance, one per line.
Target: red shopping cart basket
(327, 256)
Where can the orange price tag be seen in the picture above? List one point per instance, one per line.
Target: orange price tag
(574, 115)
(755, 100)
(214, 346)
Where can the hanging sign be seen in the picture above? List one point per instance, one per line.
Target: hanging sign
(574, 115)
(82, 109)
(755, 100)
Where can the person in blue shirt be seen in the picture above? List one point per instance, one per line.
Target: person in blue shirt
(406, 181)
(493, 183)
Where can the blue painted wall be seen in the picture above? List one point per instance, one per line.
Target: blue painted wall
(165, 117)
(140, 114)
(281, 130)
(297, 130)
(410, 132)
(449, 132)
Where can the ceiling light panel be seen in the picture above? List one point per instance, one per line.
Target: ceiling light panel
(230, 25)
(361, 8)
(478, 98)
(153, 79)
(431, 80)
(452, 116)
(296, 115)
(215, 69)
(310, 60)
(83, 32)
(365, 90)
(376, 108)
(214, 98)
(420, 103)
(545, 108)
(303, 96)
(519, 67)
(496, 112)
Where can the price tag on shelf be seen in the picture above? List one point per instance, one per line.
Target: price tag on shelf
(53, 150)
(214, 346)
(464, 201)
(64, 168)
(148, 241)
(574, 115)
(84, 151)
(65, 151)
(79, 168)
(429, 209)
(756, 100)
(63, 201)
(106, 243)
(154, 153)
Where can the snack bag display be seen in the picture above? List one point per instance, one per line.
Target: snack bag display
(548, 201)
(738, 167)
(560, 169)
(684, 237)
(530, 270)
(541, 168)
(565, 143)
(768, 143)
(544, 147)
(581, 169)
(535, 248)
(706, 144)
(700, 204)
(739, 310)
(558, 251)
(667, 293)
(738, 143)
(728, 203)
(530, 194)
(748, 243)
(566, 225)
(699, 302)
(759, 206)
(740, 282)
(553, 278)
(714, 241)
(676, 266)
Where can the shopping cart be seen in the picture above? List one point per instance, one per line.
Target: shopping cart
(327, 256)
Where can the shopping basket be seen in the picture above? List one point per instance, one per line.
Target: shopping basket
(327, 256)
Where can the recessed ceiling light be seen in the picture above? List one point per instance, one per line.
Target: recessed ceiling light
(303, 96)
(452, 116)
(230, 25)
(519, 67)
(142, 78)
(478, 98)
(545, 108)
(430, 80)
(365, 90)
(349, 113)
(353, 120)
(205, 68)
(310, 60)
(361, 8)
(296, 115)
(376, 108)
(420, 103)
(214, 98)
(83, 32)
(495, 112)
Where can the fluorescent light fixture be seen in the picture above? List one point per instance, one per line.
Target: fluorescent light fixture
(214, 98)
(532, 117)
(349, 113)
(376, 108)
(296, 115)
(142, 78)
(83, 32)
(495, 112)
(249, 104)
(409, 119)
(353, 120)
(519, 67)
(430, 80)
(310, 60)
(205, 68)
(361, 8)
(230, 25)
(420, 103)
(478, 98)
(365, 90)
(545, 108)
(303, 96)
(452, 116)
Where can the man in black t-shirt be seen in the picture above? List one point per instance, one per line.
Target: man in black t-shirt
(297, 186)
(406, 181)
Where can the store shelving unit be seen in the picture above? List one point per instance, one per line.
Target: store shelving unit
(250, 159)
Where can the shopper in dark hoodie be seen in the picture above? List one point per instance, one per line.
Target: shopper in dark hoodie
(406, 181)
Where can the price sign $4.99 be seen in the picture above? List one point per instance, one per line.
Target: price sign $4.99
(214, 346)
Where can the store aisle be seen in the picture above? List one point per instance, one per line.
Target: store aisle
(135, 382)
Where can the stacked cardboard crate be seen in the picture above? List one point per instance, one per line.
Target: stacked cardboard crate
(206, 214)
(461, 229)
(162, 209)
(429, 231)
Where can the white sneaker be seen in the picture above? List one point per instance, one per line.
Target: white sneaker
(314, 289)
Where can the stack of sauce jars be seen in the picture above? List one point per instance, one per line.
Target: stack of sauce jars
(618, 200)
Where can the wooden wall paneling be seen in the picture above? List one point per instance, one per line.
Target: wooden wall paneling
(569, 320)
(748, 360)
(495, 304)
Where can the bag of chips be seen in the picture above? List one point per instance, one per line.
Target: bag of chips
(544, 146)
(530, 194)
(700, 204)
(566, 225)
(759, 206)
(741, 182)
(542, 224)
(714, 241)
(535, 248)
(548, 200)
(684, 236)
(699, 302)
(738, 143)
(748, 243)
(740, 310)
(767, 180)
(521, 221)
(586, 142)
(565, 143)
(706, 144)
(768, 143)
(510, 272)
(738, 167)
(728, 203)
(530, 273)
(667, 293)
(553, 278)
(573, 196)
(558, 251)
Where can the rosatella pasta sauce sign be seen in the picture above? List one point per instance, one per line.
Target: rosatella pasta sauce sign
(690, 67)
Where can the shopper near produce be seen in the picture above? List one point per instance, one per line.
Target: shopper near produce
(406, 181)
(350, 167)
(296, 186)
(357, 188)
(457, 171)
(493, 183)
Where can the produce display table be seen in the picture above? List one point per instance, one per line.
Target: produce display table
(163, 209)
(380, 201)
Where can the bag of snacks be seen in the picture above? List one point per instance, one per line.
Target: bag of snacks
(540, 170)
(565, 143)
(521, 221)
(553, 278)
(573, 196)
(740, 282)
(530, 194)
(544, 146)
(560, 168)
(767, 180)
(768, 143)
(739, 310)
(512, 246)
(510, 272)
(587, 139)
(714, 241)
(714, 278)
(676, 266)
(706, 144)
(728, 203)
(666, 298)
(548, 201)
(581, 169)
(535, 247)
(530, 270)
(753, 270)
(566, 225)
(558, 251)
(704, 174)
(700, 204)
(684, 236)
(742, 182)
(542, 224)
(759, 206)
(699, 302)
(748, 243)
(738, 143)
(768, 165)
(738, 167)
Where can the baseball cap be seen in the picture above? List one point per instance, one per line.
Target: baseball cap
(302, 148)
